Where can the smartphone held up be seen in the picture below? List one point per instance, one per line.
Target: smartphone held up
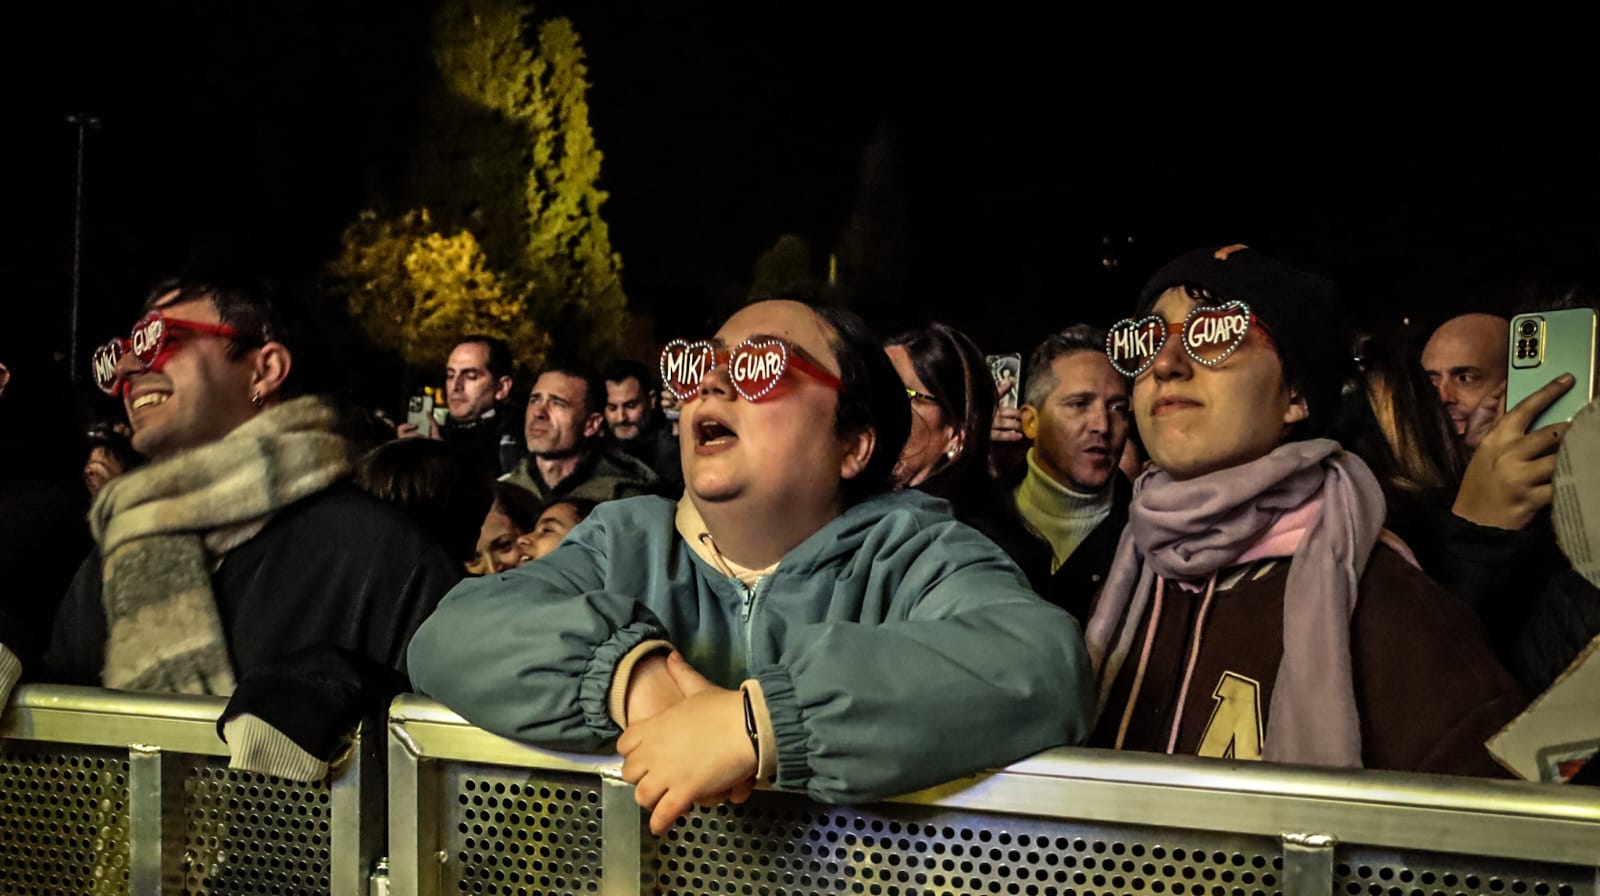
(1546, 344)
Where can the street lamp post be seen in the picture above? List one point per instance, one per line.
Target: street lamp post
(84, 124)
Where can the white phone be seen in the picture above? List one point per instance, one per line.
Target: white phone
(419, 412)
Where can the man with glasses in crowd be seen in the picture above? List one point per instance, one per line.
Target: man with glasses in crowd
(241, 542)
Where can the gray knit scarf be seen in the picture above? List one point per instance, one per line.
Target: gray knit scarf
(164, 528)
(1189, 530)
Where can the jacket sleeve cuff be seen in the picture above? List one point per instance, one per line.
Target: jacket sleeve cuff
(766, 738)
(256, 746)
(617, 701)
(788, 730)
(10, 673)
(594, 687)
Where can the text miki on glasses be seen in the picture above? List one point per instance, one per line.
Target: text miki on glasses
(148, 343)
(1211, 334)
(755, 366)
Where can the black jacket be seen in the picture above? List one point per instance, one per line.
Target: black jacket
(340, 568)
(1074, 585)
(491, 445)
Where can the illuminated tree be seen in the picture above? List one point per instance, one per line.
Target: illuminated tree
(508, 183)
(417, 291)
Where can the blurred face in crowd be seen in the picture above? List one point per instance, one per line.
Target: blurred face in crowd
(498, 544)
(553, 525)
(1079, 430)
(1466, 362)
(101, 467)
(779, 456)
(470, 389)
(198, 395)
(627, 408)
(931, 437)
(558, 422)
(1196, 419)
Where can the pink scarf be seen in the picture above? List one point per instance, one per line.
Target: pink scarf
(1331, 511)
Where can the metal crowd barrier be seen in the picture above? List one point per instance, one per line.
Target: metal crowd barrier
(104, 792)
(471, 812)
(108, 792)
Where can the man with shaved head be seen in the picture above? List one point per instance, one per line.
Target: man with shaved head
(1466, 361)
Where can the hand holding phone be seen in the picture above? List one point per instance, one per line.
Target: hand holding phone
(1507, 483)
(419, 414)
(1545, 344)
(1007, 371)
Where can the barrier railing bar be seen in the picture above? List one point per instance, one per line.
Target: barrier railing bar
(622, 835)
(412, 837)
(93, 717)
(1308, 864)
(1507, 819)
(356, 810)
(144, 820)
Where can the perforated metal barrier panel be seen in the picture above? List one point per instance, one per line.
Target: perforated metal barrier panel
(481, 814)
(1371, 872)
(105, 792)
(63, 820)
(249, 833)
(515, 833)
(785, 846)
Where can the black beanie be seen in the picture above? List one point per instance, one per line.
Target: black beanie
(1301, 310)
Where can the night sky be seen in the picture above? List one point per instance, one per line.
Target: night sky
(1018, 146)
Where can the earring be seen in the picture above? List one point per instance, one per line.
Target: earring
(257, 400)
(952, 453)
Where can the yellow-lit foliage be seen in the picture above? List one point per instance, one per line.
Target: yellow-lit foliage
(418, 291)
(512, 176)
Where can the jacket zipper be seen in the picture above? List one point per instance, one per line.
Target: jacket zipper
(752, 594)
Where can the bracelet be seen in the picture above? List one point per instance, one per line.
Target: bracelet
(750, 729)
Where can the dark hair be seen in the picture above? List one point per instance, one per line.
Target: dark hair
(626, 369)
(1390, 417)
(594, 388)
(953, 366)
(1041, 375)
(871, 396)
(426, 479)
(101, 435)
(499, 362)
(262, 312)
(519, 505)
(581, 508)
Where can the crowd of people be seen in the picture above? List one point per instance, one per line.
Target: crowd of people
(794, 553)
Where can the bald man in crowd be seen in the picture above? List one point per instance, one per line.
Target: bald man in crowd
(1466, 361)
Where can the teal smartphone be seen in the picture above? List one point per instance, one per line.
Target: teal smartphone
(1544, 345)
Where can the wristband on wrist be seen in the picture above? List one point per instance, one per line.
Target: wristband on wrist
(750, 729)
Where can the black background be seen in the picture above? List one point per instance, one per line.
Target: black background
(1428, 172)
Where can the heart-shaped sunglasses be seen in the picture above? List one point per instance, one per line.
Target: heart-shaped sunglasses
(1211, 334)
(755, 366)
(147, 343)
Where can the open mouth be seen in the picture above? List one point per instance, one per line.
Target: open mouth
(710, 433)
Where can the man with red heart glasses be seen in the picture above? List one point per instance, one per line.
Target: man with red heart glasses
(1256, 607)
(241, 541)
(792, 620)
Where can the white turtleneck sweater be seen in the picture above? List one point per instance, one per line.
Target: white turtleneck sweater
(1058, 514)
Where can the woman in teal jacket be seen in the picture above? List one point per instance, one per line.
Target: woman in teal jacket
(789, 620)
